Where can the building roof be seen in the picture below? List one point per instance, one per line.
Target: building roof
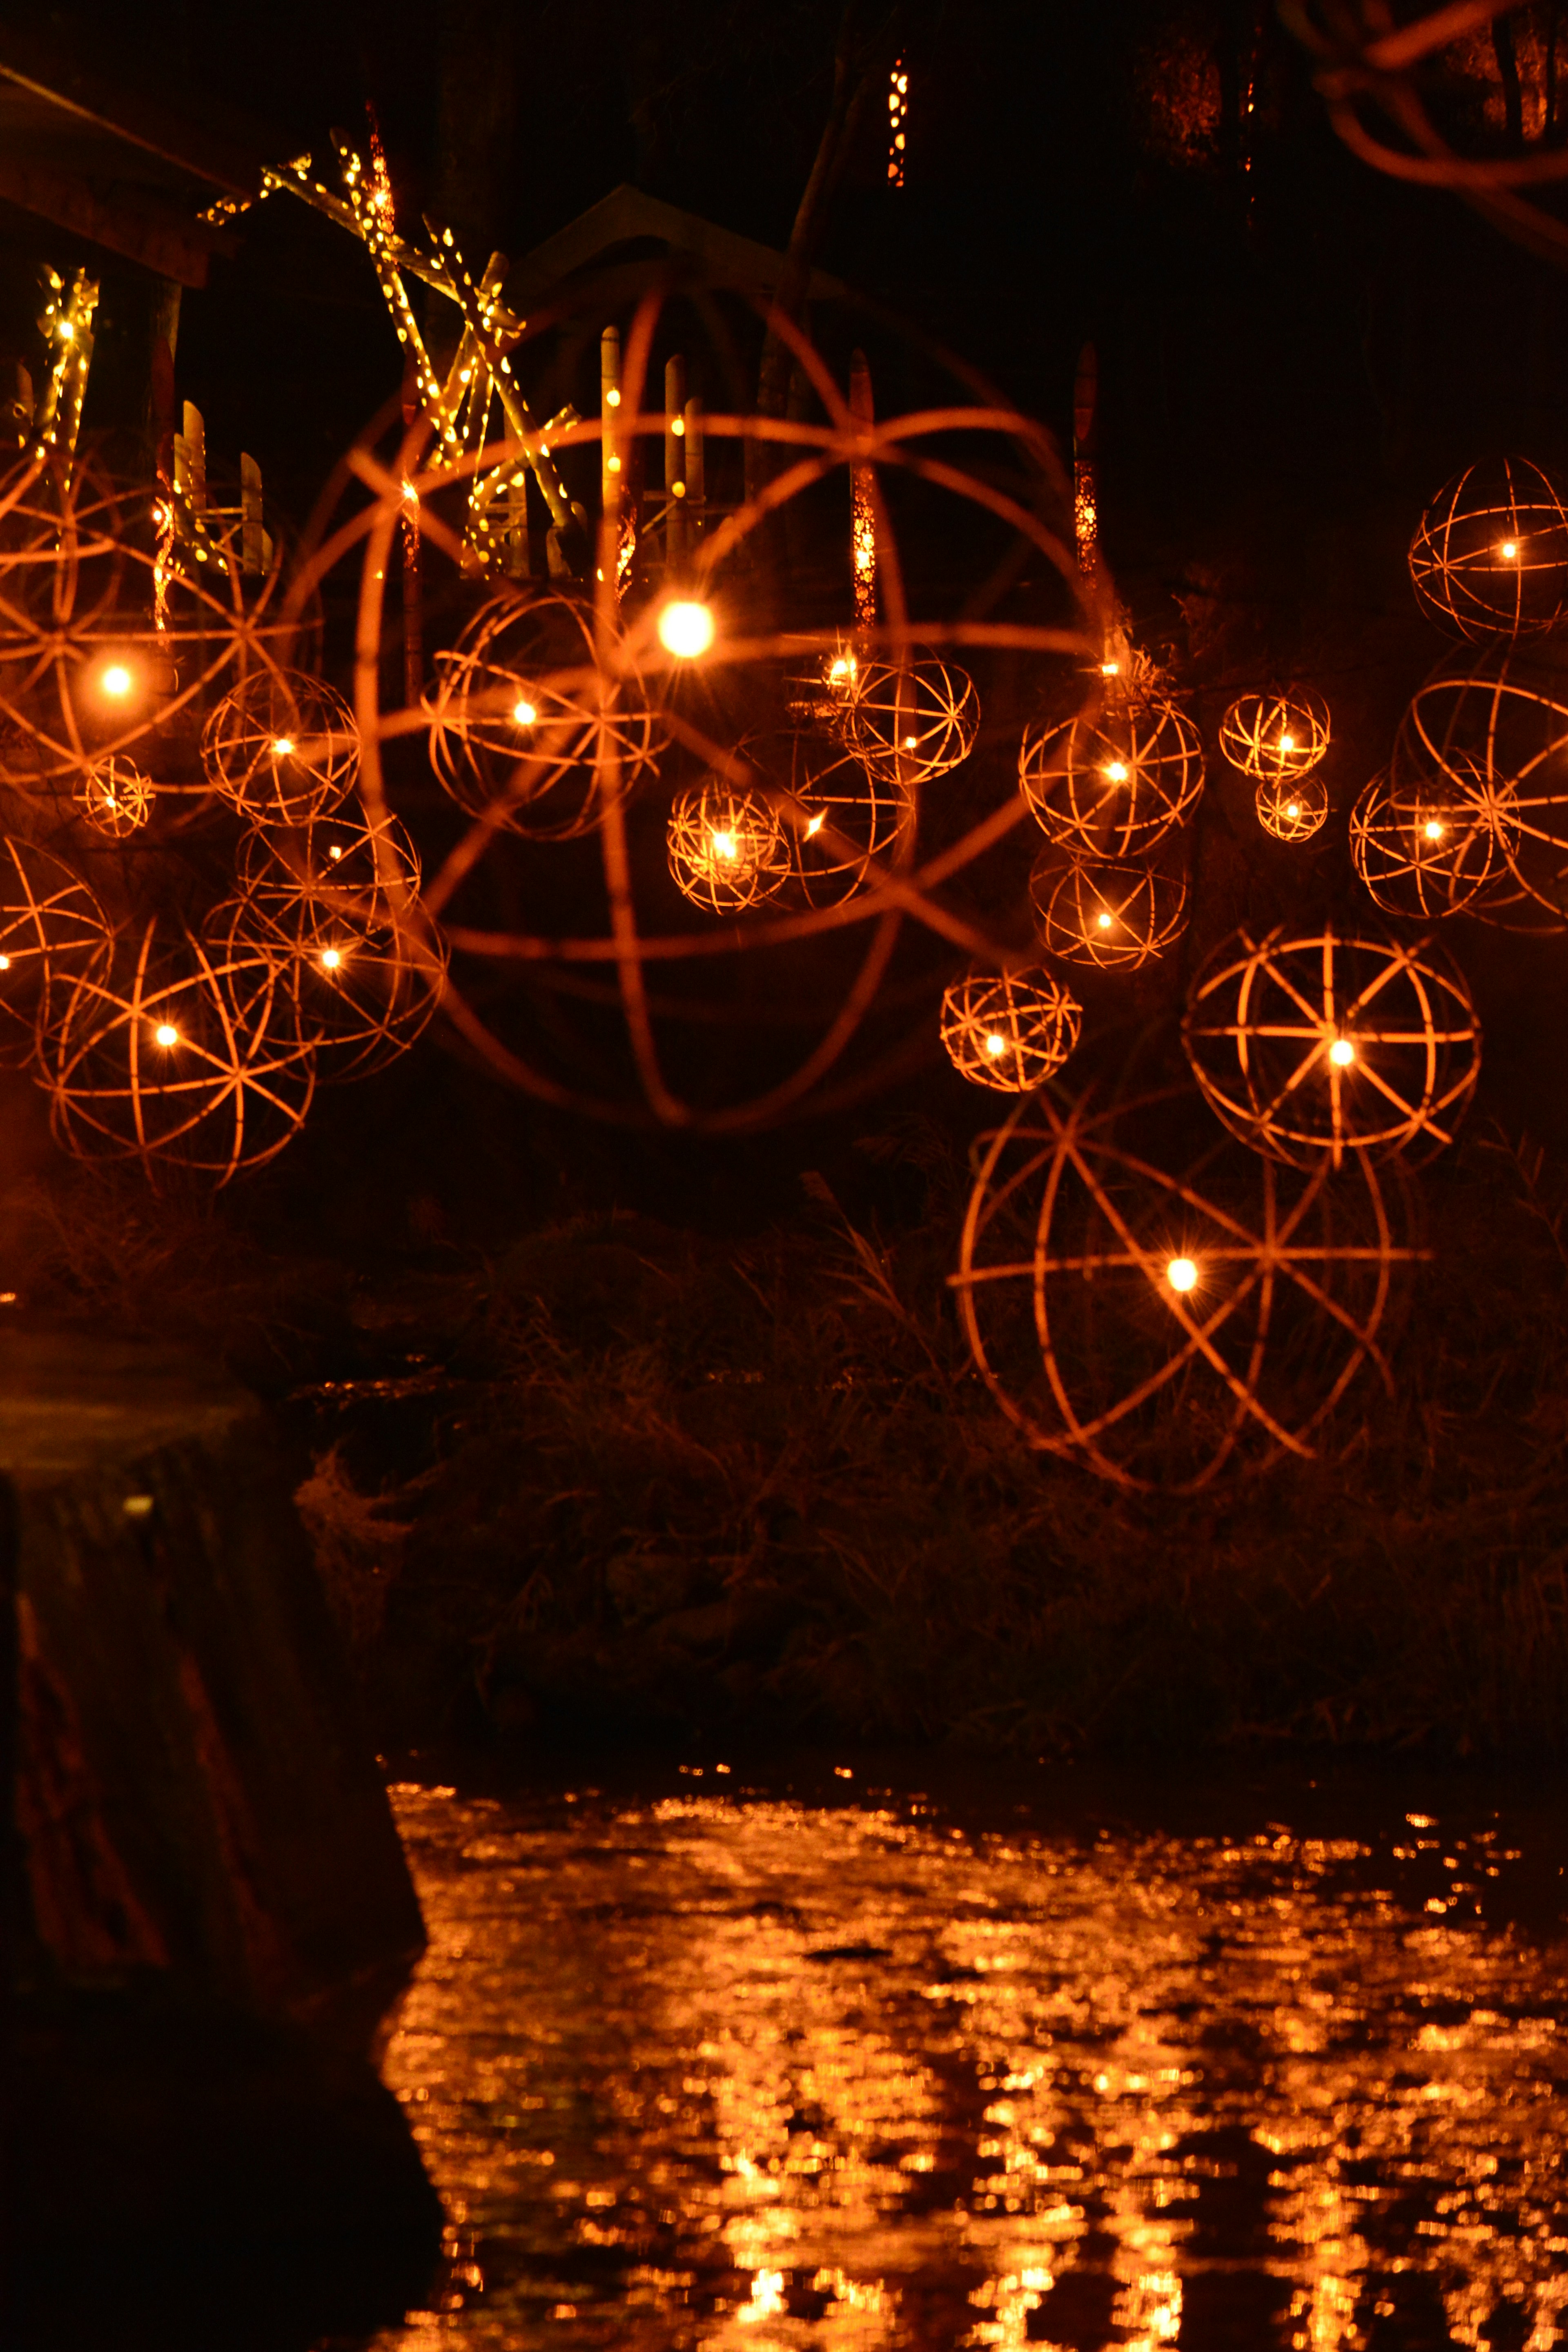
(628, 215)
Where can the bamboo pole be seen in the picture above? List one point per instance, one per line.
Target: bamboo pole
(1085, 486)
(677, 535)
(252, 537)
(862, 500)
(695, 466)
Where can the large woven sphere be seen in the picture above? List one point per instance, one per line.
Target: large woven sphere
(1114, 781)
(1276, 739)
(1010, 1029)
(1490, 558)
(1429, 846)
(179, 1052)
(726, 847)
(1116, 913)
(1145, 1296)
(537, 721)
(1291, 808)
(281, 747)
(1498, 725)
(1317, 1045)
(53, 932)
(914, 720)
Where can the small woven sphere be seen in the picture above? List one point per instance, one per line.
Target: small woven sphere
(1276, 737)
(176, 1052)
(1499, 724)
(727, 849)
(53, 932)
(1144, 1296)
(281, 747)
(1116, 913)
(1490, 558)
(1292, 810)
(1114, 781)
(1430, 846)
(1009, 1030)
(847, 817)
(114, 796)
(1315, 1045)
(536, 723)
(341, 866)
(365, 975)
(915, 720)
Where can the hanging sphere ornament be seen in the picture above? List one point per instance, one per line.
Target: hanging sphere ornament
(1276, 739)
(1114, 781)
(1115, 913)
(1293, 809)
(538, 719)
(365, 967)
(114, 796)
(1498, 725)
(342, 866)
(53, 932)
(1145, 1297)
(1010, 1029)
(1320, 1044)
(281, 747)
(178, 1051)
(726, 847)
(914, 720)
(1431, 845)
(1490, 558)
(847, 817)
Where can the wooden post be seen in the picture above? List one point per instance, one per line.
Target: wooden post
(677, 535)
(190, 460)
(252, 537)
(1084, 489)
(862, 502)
(618, 537)
(696, 468)
(413, 589)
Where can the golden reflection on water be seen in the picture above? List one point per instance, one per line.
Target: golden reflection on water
(753, 2076)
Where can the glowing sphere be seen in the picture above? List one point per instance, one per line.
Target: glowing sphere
(1115, 780)
(281, 747)
(1116, 913)
(1009, 1030)
(1276, 739)
(1490, 558)
(726, 847)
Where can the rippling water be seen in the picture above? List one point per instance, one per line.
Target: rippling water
(747, 2070)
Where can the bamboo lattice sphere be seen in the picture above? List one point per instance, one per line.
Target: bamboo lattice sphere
(1114, 781)
(281, 747)
(911, 721)
(1499, 726)
(1430, 846)
(178, 1052)
(1313, 1045)
(1146, 1296)
(52, 933)
(365, 976)
(846, 818)
(1009, 1030)
(344, 865)
(1276, 737)
(114, 796)
(1292, 811)
(727, 849)
(538, 723)
(1490, 558)
(1116, 913)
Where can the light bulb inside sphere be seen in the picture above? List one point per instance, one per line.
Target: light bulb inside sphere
(1109, 669)
(167, 1033)
(1508, 551)
(686, 629)
(996, 1046)
(1182, 1274)
(4, 963)
(1293, 808)
(1342, 1053)
(1103, 919)
(331, 958)
(724, 845)
(282, 746)
(1287, 742)
(1116, 770)
(116, 681)
(334, 853)
(524, 713)
(1433, 830)
(816, 823)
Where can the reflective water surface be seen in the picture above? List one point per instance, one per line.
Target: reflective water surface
(841, 2069)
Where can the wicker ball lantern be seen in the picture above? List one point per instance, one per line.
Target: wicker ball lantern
(1145, 1297)
(1499, 726)
(1314, 1046)
(365, 974)
(727, 849)
(914, 720)
(846, 816)
(1291, 809)
(1430, 846)
(53, 932)
(281, 747)
(1114, 781)
(342, 866)
(114, 796)
(1490, 558)
(180, 1053)
(1010, 1029)
(536, 722)
(1116, 913)
(1276, 739)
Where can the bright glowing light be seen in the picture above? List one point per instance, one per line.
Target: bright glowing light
(1103, 919)
(331, 958)
(1110, 670)
(1508, 551)
(1293, 808)
(725, 845)
(282, 746)
(1432, 829)
(678, 426)
(410, 494)
(686, 629)
(995, 1044)
(910, 741)
(67, 332)
(817, 822)
(524, 713)
(1287, 742)
(167, 1033)
(613, 466)
(1342, 1053)
(1117, 770)
(4, 963)
(1182, 1274)
(116, 680)
(612, 398)
(334, 853)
